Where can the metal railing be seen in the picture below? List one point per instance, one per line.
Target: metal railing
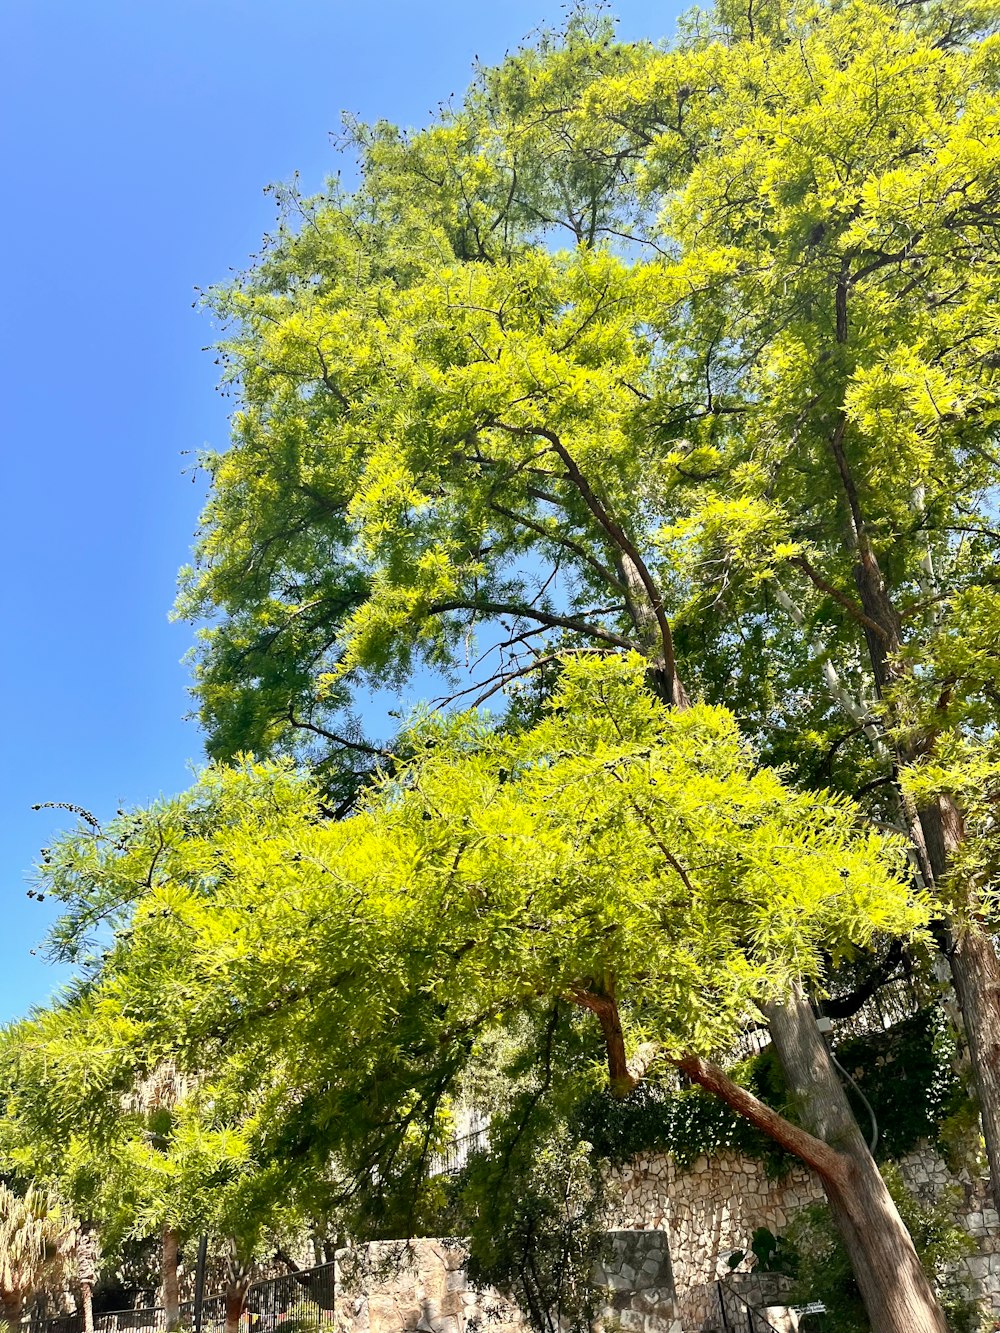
(737, 1315)
(454, 1155)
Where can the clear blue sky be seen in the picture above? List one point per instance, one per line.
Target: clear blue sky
(136, 137)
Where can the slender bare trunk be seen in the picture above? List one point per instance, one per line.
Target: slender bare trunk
(938, 831)
(87, 1306)
(171, 1287)
(975, 971)
(895, 1290)
(236, 1295)
(86, 1267)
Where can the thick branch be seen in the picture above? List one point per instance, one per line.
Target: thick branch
(530, 613)
(841, 598)
(623, 1081)
(831, 1166)
(845, 1006)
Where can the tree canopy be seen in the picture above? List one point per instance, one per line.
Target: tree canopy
(647, 396)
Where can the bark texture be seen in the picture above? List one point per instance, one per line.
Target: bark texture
(86, 1262)
(236, 1295)
(171, 1286)
(896, 1292)
(87, 1306)
(975, 970)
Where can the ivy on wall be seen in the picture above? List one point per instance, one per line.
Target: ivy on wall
(907, 1074)
(686, 1122)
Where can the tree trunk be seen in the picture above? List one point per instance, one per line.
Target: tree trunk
(975, 970)
(236, 1295)
(86, 1265)
(87, 1306)
(895, 1290)
(171, 1288)
(11, 1308)
(893, 1286)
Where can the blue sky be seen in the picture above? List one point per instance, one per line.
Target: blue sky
(136, 139)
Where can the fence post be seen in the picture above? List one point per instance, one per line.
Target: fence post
(199, 1282)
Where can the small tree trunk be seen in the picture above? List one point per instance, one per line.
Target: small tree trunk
(975, 970)
(86, 1265)
(938, 832)
(236, 1295)
(171, 1289)
(12, 1308)
(87, 1306)
(895, 1290)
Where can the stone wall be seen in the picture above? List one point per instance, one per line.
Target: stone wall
(417, 1286)
(712, 1207)
(637, 1274)
(674, 1232)
(708, 1210)
(421, 1287)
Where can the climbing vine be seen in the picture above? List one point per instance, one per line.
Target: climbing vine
(907, 1074)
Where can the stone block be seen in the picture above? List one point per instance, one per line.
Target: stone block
(978, 1266)
(660, 1323)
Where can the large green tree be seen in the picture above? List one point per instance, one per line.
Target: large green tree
(745, 418)
(139, 1143)
(619, 857)
(684, 351)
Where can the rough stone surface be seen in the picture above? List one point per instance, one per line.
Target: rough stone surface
(712, 1207)
(421, 1287)
(673, 1232)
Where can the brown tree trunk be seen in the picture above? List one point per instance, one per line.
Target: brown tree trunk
(893, 1286)
(86, 1264)
(11, 1308)
(236, 1295)
(87, 1306)
(895, 1290)
(975, 971)
(171, 1288)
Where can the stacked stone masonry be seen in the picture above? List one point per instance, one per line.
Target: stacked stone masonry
(712, 1208)
(421, 1287)
(672, 1236)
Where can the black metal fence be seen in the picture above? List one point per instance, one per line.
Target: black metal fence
(737, 1315)
(454, 1155)
(301, 1302)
